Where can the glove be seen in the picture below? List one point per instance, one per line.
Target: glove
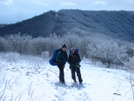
(77, 65)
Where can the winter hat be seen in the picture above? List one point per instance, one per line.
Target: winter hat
(64, 46)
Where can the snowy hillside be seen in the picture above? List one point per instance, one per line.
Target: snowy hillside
(29, 78)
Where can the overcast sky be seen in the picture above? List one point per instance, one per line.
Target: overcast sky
(12, 11)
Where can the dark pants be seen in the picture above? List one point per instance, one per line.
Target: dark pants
(61, 73)
(76, 70)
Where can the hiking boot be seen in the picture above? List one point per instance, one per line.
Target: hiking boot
(80, 83)
(62, 82)
(75, 81)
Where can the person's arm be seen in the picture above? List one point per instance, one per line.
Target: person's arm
(58, 57)
(69, 60)
(78, 60)
(66, 57)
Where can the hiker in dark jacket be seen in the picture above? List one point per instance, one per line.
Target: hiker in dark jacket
(74, 60)
(62, 58)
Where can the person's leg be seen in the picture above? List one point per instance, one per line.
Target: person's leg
(73, 73)
(61, 73)
(79, 74)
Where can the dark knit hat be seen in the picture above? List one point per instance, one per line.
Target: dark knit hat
(64, 46)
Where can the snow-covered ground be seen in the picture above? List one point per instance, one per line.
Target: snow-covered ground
(29, 78)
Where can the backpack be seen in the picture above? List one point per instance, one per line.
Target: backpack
(52, 60)
(76, 50)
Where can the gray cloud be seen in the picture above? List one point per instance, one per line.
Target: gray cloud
(129, 1)
(99, 3)
(39, 3)
(67, 3)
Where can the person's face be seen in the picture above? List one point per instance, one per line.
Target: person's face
(64, 49)
(73, 50)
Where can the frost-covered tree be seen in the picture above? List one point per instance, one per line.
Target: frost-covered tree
(130, 64)
(129, 47)
(36, 46)
(17, 43)
(3, 44)
(107, 51)
(72, 40)
(53, 42)
(85, 40)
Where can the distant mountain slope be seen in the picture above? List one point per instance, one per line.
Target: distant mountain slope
(2, 25)
(37, 26)
(117, 24)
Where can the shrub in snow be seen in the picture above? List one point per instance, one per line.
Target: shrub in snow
(106, 51)
(130, 63)
(10, 57)
(45, 54)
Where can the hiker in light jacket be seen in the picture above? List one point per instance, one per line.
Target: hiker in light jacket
(74, 60)
(62, 58)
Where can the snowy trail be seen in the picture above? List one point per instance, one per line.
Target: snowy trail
(24, 81)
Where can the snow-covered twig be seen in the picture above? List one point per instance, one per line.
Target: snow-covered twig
(132, 86)
(117, 90)
(131, 81)
(3, 75)
(2, 93)
(30, 91)
(19, 96)
(42, 97)
(121, 60)
(10, 84)
(11, 99)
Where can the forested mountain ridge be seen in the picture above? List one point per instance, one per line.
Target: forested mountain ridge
(117, 24)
